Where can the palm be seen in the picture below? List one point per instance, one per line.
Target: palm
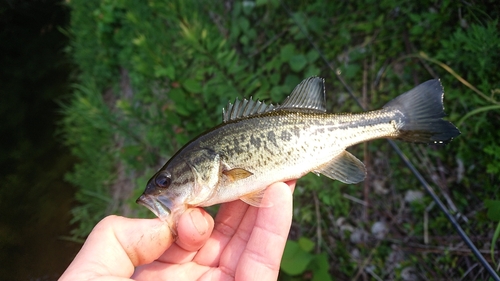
(246, 244)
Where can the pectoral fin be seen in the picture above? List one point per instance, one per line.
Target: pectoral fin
(255, 199)
(237, 174)
(345, 168)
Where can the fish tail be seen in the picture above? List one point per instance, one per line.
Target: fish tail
(422, 108)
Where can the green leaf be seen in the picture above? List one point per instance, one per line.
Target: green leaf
(244, 40)
(295, 259)
(321, 261)
(132, 155)
(364, 26)
(312, 56)
(494, 241)
(181, 109)
(192, 86)
(274, 78)
(287, 52)
(352, 70)
(320, 267)
(124, 105)
(291, 80)
(277, 93)
(321, 276)
(493, 209)
(260, 2)
(181, 138)
(248, 7)
(297, 62)
(244, 24)
(312, 70)
(417, 30)
(173, 119)
(177, 95)
(306, 244)
(167, 71)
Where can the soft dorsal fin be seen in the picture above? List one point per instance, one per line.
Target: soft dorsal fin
(309, 95)
(244, 108)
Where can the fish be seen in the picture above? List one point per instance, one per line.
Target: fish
(258, 144)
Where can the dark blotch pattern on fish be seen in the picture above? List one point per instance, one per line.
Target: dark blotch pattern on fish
(286, 136)
(271, 137)
(256, 142)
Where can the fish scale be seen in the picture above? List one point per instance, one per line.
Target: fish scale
(328, 136)
(259, 144)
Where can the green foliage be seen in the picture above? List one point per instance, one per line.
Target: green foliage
(494, 215)
(494, 240)
(493, 209)
(298, 260)
(93, 145)
(473, 52)
(154, 74)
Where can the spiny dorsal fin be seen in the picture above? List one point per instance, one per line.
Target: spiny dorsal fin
(244, 108)
(309, 95)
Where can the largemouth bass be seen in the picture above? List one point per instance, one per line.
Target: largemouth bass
(259, 144)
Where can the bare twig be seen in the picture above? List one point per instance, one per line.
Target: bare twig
(366, 183)
(469, 270)
(361, 267)
(269, 42)
(426, 222)
(354, 199)
(318, 222)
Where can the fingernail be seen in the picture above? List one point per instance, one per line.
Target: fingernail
(199, 221)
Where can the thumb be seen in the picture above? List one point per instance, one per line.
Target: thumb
(117, 245)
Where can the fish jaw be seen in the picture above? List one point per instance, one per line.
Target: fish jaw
(164, 207)
(158, 207)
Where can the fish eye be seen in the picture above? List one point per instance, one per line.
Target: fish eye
(163, 180)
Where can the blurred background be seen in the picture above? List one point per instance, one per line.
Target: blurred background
(97, 95)
(35, 200)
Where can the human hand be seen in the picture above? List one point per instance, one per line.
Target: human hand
(244, 243)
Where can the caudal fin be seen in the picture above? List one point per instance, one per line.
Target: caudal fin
(423, 109)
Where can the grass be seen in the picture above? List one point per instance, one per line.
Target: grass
(167, 69)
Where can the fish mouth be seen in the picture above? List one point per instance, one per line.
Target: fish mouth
(158, 206)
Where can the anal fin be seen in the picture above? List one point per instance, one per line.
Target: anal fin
(345, 168)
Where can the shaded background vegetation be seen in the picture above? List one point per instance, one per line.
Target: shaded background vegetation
(153, 74)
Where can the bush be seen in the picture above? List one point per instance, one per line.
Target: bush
(154, 74)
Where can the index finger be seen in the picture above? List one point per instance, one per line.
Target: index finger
(262, 256)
